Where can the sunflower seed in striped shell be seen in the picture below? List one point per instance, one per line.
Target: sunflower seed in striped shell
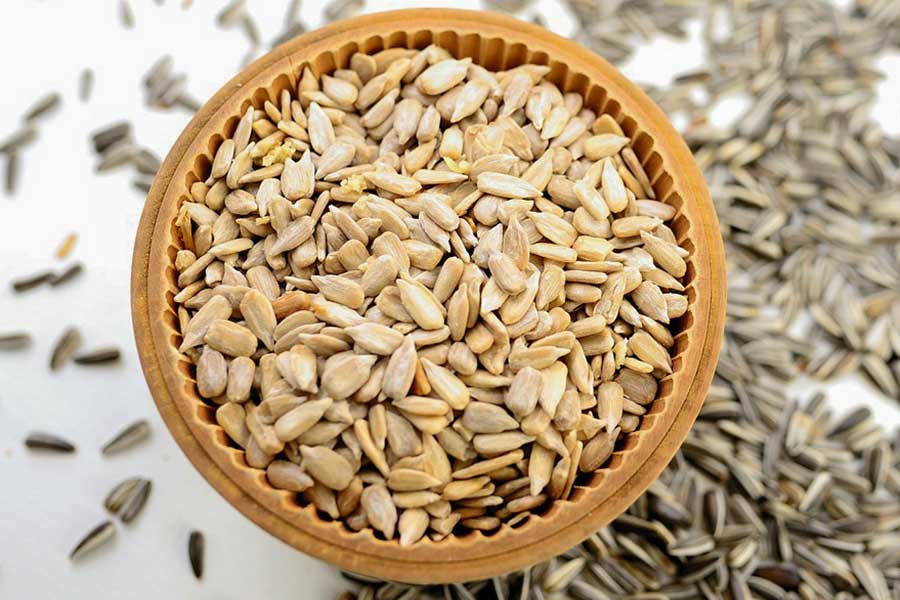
(132, 435)
(31, 281)
(65, 347)
(95, 538)
(196, 551)
(48, 441)
(15, 341)
(85, 84)
(42, 106)
(120, 494)
(99, 356)
(136, 501)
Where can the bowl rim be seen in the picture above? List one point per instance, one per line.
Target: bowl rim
(457, 564)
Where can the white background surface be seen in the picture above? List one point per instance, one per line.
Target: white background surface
(48, 502)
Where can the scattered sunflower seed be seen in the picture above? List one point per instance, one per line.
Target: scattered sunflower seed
(121, 493)
(67, 344)
(67, 274)
(136, 501)
(12, 169)
(18, 139)
(43, 106)
(96, 537)
(85, 84)
(196, 548)
(99, 356)
(15, 341)
(48, 441)
(128, 437)
(126, 14)
(31, 281)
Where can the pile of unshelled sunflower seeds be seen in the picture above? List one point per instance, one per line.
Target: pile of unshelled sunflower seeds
(453, 290)
(770, 497)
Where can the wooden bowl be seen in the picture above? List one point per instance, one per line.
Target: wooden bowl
(497, 42)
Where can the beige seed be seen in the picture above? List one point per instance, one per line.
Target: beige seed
(380, 509)
(263, 433)
(260, 317)
(610, 400)
(536, 357)
(437, 207)
(567, 411)
(232, 418)
(285, 475)
(524, 392)
(448, 279)
(401, 369)
(380, 272)
(410, 480)
(481, 417)
(402, 436)
(298, 367)
(554, 385)
(506, 273)
(230, 338)
(240, 379)
(649, 299)
(369, 447)
(650, 351)
(327, 466)
(440, 77)
(297, 421)
(457, 490)
(421, 304)
(420, 499)
(446, 385)
(598, 450)
(346, 372)
(604, 145)
(412, 525)
(217, 308)
(506, 186)
(633, 226)
(418, 405)
(321, 131)
(496, 443)
(375, 338)
(664, 254)
(393, 182)
(613, 188)
(340, 289)
(488, 466)
(540, 468)
(462, 359)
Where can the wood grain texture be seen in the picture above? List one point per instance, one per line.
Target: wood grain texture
(497, 42)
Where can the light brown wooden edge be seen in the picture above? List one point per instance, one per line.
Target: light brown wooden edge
(707, 329)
